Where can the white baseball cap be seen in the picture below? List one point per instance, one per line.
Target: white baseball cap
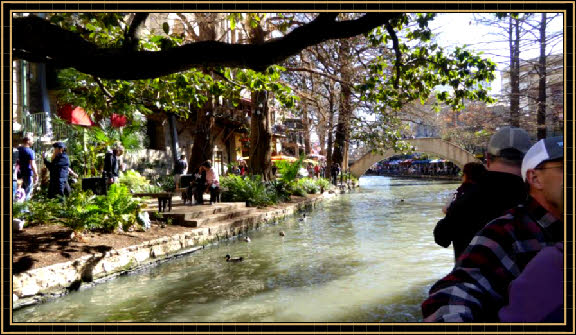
(544, 150)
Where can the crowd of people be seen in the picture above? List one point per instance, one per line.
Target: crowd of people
(26, 174)
(506, 227)
(413, 168)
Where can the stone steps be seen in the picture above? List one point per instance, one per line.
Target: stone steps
(196, 216)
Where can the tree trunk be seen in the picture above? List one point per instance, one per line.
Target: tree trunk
(202, 148)
(343, 126)
(306, 126)
(541, 116)
(514, 42)
(330, 140)
(174, 138)
(260, 137)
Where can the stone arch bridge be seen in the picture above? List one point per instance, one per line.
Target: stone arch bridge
(430, 145)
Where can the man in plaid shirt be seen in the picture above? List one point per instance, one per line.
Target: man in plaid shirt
(477, 287)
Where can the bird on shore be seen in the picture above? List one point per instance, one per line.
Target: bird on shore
(303, 218)
(282, 233)
(247, 239)
(235, 259)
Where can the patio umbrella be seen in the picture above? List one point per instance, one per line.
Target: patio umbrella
(75, 115)
(283, 158)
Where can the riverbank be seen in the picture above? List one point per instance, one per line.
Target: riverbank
(47, 263)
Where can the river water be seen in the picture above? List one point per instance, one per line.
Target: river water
(366, 256)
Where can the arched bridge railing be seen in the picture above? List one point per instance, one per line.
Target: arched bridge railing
(435, 146)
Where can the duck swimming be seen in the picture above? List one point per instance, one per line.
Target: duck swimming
(303, 218)
(235, 259)
(281, 233)
(247, 239)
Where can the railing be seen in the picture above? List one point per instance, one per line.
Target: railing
(36, 124)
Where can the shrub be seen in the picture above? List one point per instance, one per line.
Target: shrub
(323, 184)
(289, 171)
(19, 210)
(281, 189)
(118, 208)
(44, 211)
(133, 180)
(166, 183)
(81, 211)
(297, 189)
(248, 189)
(309, 185)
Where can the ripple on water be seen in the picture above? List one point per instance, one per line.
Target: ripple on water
(364, 256)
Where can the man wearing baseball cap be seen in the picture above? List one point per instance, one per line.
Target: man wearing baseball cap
(59, 168)
(477, 288)
(501, 189)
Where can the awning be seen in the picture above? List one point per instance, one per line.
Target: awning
(421, 161)
(438, 161)
(75, 115)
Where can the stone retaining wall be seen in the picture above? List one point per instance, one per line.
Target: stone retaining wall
(42, 284)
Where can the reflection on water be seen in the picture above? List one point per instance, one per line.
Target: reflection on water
(368, 256)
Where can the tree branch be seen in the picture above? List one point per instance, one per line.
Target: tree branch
(35, 37)
(396, 46)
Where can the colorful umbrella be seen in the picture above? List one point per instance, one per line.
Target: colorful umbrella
(283, 158)
(75, 115)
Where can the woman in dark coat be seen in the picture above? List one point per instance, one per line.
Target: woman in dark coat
(59, 168)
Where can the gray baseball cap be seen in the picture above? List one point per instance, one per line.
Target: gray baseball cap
(546, 149)
(509, 138)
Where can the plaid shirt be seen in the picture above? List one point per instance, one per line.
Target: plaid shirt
(477, 287)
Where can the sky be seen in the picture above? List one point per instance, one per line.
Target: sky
(457, 29)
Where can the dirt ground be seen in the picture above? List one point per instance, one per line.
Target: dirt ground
(39, 246)
(44, 245)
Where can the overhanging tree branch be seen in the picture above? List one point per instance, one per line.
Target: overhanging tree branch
(35, 37)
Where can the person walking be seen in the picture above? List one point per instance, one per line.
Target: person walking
(334, 171)
(501, 188)
(59, 167)
(27, 166)
(112, 164)
(180, 168)
(478, 287)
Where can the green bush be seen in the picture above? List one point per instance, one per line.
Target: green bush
(19, 210)
(133, 180)
(298, 190)
(166, 183)
(44, 211)
(289, 171)
(323, 184)
(309, 185)
(81, 211)
(118, 208)
(248, 189)
(281, 189)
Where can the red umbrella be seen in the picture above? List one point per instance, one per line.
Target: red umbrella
(75, 115)
(117, 120)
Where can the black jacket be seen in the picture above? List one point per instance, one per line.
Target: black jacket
(470, 212)
(110, 165)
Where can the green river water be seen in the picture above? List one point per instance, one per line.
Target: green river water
(366, 256)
